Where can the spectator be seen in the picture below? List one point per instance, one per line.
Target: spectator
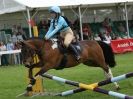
(10, 46)
(102, 37)
(97, 38)
(107, 38)
(131, 30)
(21, 34)
(3, 60)
(86, 31)
(122, 31)
(42, 32)
(114, 36)
(102, 30)
(14, 38)
(42, 29)
(14, 30)
(107, 23)
(16, 55)
(14, 33)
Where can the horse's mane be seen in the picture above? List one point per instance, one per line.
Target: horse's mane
(47, 42)
(35, 38)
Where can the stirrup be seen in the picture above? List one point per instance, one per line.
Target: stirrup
(78, 58)
(76, 54)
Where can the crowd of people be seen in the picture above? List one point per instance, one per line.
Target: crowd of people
(17, 35)
(106, 31)
(8, 59)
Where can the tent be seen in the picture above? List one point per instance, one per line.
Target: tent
(8, 6)
(44, 3)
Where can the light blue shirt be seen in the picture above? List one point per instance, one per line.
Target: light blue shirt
(10, 46)
(58, 26)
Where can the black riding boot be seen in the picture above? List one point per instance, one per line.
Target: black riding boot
(76, 54)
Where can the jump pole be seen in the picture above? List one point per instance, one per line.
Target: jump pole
(38, 87)
(93, 87)
(101, 83)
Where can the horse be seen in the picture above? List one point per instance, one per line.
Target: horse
(94, 53)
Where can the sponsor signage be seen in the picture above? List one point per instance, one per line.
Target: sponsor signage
(121, 46)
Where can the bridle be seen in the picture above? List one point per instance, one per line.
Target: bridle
(32, 52)
(28, 51)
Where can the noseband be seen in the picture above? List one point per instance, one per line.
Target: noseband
(31, 54)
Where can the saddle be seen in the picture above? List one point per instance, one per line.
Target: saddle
(59, 43)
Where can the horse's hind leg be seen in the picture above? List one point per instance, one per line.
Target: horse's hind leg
(107, 71)
(109, 74)
(101, 62)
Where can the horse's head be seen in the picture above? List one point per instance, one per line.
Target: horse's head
(28, 51)
(31, 47)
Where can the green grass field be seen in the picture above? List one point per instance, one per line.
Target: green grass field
(13, 80)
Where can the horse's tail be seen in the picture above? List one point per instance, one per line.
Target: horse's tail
(108, 53)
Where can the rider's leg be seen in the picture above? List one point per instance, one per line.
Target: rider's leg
(68, 36)
(74, 49)
(68, 39)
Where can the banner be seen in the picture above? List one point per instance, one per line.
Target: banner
(131, 43)
(121, 46)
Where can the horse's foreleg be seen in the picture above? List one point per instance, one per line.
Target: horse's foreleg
(31, 79)
(30, 73)
(38, 74)
(110, 75)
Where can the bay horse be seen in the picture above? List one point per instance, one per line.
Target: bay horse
(94, 53)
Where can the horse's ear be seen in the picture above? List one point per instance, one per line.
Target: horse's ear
(20, 43)
(24, 43)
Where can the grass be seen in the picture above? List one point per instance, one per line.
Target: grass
(13, 80)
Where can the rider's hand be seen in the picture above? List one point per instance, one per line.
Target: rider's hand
(45, 38)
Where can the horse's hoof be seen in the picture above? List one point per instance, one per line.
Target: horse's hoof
(29, 89)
